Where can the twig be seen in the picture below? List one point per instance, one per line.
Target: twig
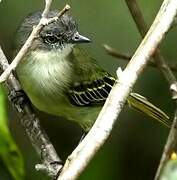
(48, 4)
(158, 58)
(142, 27)
(170, 147)
(100, 131)
(39, 139)
(36, 30)
(114, 53)
(50, 160)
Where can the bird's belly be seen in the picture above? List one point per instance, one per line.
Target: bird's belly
(45, 96)
(47, 85)
(84, 116)
(50, 98)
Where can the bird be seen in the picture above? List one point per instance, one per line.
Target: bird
(61, 79)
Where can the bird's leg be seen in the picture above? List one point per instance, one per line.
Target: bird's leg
(51, 163)
(51, 166)
(18, 99)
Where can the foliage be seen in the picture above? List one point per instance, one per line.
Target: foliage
(170, 170)
(9, 152)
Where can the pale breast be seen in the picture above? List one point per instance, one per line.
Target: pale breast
(45, 76)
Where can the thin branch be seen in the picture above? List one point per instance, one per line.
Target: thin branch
(39, 139)
(48, 4)
(36, 30)
(50, 160)
(101, 130)
(158, 58)
(170, 147)
(114, 53)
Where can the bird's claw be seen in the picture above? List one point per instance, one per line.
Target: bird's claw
(53, 169)
(18, 99)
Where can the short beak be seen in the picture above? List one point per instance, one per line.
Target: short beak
(77, 38)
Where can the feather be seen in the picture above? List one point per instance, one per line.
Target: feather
(97, 91)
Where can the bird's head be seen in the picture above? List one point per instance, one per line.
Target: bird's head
(55, 36)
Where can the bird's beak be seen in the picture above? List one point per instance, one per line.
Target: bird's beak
(77, 38)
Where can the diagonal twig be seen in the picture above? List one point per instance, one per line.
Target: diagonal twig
(51, 163)
(46, 10)
(101, 130)
(158, 58)
(30, 122)
(171, 143)
(114, 53)
(170, 147)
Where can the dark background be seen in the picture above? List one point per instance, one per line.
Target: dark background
(136, 143)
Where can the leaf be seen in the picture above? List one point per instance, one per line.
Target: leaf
(9, 151)
(170, 170)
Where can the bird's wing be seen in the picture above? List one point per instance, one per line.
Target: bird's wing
(91, 92)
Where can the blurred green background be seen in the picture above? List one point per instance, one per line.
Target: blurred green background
(134, 148)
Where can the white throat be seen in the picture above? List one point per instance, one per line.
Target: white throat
(50, 70)
(58, 54)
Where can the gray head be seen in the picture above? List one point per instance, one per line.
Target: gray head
(56, 35)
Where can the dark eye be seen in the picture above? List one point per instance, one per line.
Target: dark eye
(50, 39)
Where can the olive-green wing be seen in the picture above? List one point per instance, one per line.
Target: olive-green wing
(91, 92)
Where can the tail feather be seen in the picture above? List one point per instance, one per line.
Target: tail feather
(142, 104)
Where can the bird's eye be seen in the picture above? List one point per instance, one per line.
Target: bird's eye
(50, 39)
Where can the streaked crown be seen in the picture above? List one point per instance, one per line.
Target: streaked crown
(55, 35)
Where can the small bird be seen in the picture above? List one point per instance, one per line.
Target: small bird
(61, 79)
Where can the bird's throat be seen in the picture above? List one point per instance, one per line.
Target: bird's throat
(48, 56)
(49, 72)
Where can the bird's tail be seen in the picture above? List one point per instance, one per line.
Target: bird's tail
(142, 104)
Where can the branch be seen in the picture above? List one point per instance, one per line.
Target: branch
(158, 58)
(48, 4)
(30, 122)
(101, 130)
(171, 141)
(50, 160)
(170, 147)
(114, 53)
(36, 30)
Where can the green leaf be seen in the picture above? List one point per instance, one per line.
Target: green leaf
(170, 170)
(9, 151)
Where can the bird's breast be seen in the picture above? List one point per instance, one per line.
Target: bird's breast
(45, 78)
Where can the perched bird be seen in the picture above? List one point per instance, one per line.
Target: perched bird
(61, 79)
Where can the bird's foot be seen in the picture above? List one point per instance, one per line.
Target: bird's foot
(18, 99)
(52, 164)
(53, 169)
